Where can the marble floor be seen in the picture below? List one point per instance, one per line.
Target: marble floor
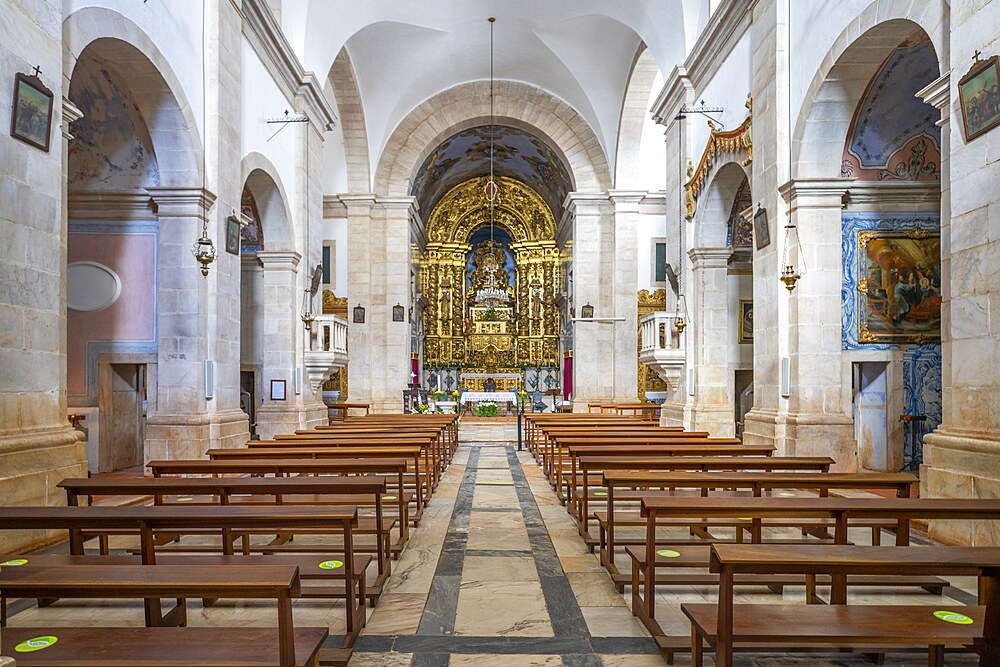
(497, 575)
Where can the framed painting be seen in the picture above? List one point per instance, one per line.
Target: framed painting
(761, 232)
(233, 235)
(979, 91)
(745, 328)
(899, 285)
(31, 117)
(277, 390)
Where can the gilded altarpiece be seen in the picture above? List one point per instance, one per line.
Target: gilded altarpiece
(649, 302)
(334, 305)
(458, 332)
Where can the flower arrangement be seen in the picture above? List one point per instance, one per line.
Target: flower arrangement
(423, 408)
(486, 409)
(437, 395)
(455, 395)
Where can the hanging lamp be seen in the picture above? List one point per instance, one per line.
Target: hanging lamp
(492, 295)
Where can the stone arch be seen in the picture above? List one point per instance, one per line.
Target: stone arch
(516, 104)
(714, 207)
(839, 84)
(352, 122)
(259, 175)
(633, 116)
(158, 93)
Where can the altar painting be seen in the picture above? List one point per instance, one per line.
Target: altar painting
(899, 280)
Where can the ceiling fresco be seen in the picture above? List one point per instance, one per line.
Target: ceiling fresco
(517, 154)
(894, 135)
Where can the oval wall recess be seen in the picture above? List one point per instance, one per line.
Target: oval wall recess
(91, 286)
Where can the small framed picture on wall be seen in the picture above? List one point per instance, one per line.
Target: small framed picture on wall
(761, 232)
(31, 116)
(233, 230)
(745, 329)
(979, 91)
(277, 390)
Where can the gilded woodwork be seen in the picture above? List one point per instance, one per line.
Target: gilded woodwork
(736, 143)
(458, 332)
(649, 302)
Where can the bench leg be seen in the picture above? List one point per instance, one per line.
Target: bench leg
(935, 656)
(875, 658)
(697, 655)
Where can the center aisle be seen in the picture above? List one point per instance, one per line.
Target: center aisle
(496, 574)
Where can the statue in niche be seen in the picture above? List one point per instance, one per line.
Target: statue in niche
(489, 258)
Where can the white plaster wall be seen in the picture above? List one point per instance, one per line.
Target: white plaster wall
(728, 88)
(648, 228)
(262, 99)
(175, 28)
(334, 154)
(335, 229)
(740, 287)
(652, 166)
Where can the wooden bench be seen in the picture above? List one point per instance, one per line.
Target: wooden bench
(420, 482)
(149, 521)
(841, 510)
(344, 407)
(156, 644)
(725, 626)
(392, 469)
(233, 491)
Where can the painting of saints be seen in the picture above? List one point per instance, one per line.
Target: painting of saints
(900, 280)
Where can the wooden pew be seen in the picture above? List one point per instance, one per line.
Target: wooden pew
(155, 644)
(555, 438)
(296, 491)
(148, 521)
(589, 465)
(840, 510)
(421, 482)
(392, 469)
(871, 627)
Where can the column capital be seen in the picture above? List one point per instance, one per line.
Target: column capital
(938, 94)
(70, 113)
(357, 203)
(815, 192)
(626, 201)
(278, 260)
(586, 202)
(182, 202)
(710, 258)
(397, 204)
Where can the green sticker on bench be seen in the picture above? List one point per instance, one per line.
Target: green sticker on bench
(953, 617)
(185, 499)
(388, 497)
(668, 553)
(35, 644)
(331, 564)
(743, 518)
(786, 494)
(15, 562)
(600, 493)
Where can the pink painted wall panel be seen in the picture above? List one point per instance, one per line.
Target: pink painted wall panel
(132, 317)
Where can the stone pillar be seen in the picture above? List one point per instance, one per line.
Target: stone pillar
(626, 277)
(817, 421)
(593, 252)
(38, 448)
(771, 167)
(360, 287)
(281, 328)
(393, 265)
(710, 332)
(179, 423)
(962, 456)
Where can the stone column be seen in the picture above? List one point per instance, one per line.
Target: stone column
(817, 422)
(393, 265)
(281, 328)
(962, 456)
(360, 288)
(593, 283)
(626, 277)
(179, 423)
(710, 331)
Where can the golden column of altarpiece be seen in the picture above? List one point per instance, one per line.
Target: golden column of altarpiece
(458, 332)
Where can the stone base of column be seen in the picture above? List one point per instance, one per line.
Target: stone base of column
(273, 420)
(764, 427)
(717, 420)
(822, 435)
(961, 465)
(32, 463)
(675, 414)
(174, 437)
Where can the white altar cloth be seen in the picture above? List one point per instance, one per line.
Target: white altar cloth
(495, 396)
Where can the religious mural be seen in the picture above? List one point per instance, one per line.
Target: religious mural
(252, 235)
(739, 230)
(517, 154)
(894, 136)
(111, 147)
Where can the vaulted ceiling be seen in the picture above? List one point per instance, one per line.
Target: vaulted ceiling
(406, 51)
